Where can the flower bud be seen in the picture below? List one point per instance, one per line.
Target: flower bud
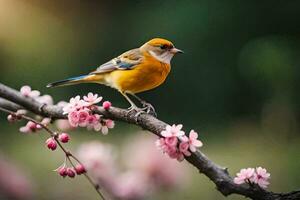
(106, 105)
(64, 137)
(11, 118)
(80, 169)
(62, 171)
(70, 172)
(51, 144)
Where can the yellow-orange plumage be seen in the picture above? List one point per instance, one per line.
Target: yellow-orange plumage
(134, 71)
(147, 75)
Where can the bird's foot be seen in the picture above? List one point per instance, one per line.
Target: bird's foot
(149, 108)
(138, 111)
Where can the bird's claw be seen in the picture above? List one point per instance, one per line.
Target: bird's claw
(139, 111)
(149, 108)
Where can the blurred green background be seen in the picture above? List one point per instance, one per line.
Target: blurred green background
(237, 83)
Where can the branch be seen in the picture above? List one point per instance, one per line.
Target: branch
(219, 175)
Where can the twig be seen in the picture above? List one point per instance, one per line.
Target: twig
(219, 175)
(67, 153)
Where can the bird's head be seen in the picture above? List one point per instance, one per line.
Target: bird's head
(163, 50)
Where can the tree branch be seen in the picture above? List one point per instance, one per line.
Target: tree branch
(14, 100)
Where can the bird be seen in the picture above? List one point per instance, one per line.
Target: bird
(132, 72)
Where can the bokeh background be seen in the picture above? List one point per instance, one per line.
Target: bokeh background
(237, 83)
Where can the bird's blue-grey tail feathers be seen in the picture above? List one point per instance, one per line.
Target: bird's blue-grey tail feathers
(69, 81)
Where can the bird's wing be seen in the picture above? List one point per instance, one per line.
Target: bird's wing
(125, 61)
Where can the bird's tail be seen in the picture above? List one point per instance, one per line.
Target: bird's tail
(75, 80)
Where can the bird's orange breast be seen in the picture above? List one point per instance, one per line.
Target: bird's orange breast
(145, 76)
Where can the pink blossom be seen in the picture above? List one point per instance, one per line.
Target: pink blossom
(63, 125)
(106, 105)
(132, 185)
(171, 141)
(163, 173)
(82, 117)
(176, 154)
(99, 160)
(92, 98)
(184, 148)
(244, 176)
(161, 144)
(261, 177)
(93, 122)
(80, 169)
(64, 137)
(192, 141)
(15, 182)
(107, 124)
(167, 146)
(174, 130)
(20, 112)
(75, 104)
(62, 103)
(16, 116)
(27, 92)
(73, 118)
(29, 127)
(45, 99)
(46, 121)
(51, 143)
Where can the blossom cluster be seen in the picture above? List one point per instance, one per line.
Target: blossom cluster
(138, 178)
(176, 144)
(71, 171)
(63, 170)
(258, 176)
(80, 113)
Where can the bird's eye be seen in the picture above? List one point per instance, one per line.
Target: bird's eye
(164, 46)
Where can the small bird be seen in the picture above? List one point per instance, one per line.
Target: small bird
(134, 71)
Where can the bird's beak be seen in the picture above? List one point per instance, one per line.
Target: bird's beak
(175, 50)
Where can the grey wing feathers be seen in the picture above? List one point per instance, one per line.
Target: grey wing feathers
(125, 61)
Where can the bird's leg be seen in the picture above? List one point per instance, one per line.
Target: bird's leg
(150, 109)
(133, 106)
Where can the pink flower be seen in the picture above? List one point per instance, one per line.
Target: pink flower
(163, 173)
(176, 154)
(64, 137)
(80, 169)
(46, 121)
(93, 122)
(184, 148)
(244, 176)
(161, 144)
(82, 117)
(27, 92)
(73, 118)
(75, 104)
(63, 125)
(192, 141)
(45, 99)
(29, 127)
(171, 141)
(261, 177)
(92, 98)
(107, 124)
(51, 143)
(174, 130)
(106, 105)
